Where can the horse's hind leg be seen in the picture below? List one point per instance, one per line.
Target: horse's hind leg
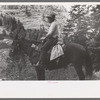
(40, 73)
(79, 71)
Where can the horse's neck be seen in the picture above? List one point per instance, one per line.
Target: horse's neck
(31, 52)
(26, 46)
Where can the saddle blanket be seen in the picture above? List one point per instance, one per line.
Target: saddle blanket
(56, 52)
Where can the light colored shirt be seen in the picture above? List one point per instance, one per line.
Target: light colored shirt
(53, 30)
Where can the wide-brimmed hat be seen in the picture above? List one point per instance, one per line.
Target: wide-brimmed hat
(52, 16)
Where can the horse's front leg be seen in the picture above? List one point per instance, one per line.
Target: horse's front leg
(21, 65)
(40, 72)
(20, 72)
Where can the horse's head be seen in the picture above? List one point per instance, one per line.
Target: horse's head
(15, 48)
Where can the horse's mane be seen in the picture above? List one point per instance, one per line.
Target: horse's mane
(31, 41)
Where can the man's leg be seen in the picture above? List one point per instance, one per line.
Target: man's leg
(43, 55)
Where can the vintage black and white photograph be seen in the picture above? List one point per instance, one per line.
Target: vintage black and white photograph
(50, 42)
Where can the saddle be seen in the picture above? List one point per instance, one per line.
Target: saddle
(56, 50)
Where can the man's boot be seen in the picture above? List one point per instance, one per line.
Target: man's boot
(37, 64)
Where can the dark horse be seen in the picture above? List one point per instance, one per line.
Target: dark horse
(73, 53)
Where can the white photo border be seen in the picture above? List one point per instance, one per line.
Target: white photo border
(49, 89)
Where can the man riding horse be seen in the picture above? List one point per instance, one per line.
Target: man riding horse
(74, 53)
(50, 39)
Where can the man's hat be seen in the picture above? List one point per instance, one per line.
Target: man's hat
(52, 16)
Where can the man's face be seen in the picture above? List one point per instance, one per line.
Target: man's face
(49, 20)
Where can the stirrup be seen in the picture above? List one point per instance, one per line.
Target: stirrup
(42, 65)
(37, 64)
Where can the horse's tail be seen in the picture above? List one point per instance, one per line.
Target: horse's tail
(88, 64)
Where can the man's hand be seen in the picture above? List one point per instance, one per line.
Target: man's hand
(42, 38)
(33, 46)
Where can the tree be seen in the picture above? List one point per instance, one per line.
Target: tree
(28, 13)
(79, 16)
